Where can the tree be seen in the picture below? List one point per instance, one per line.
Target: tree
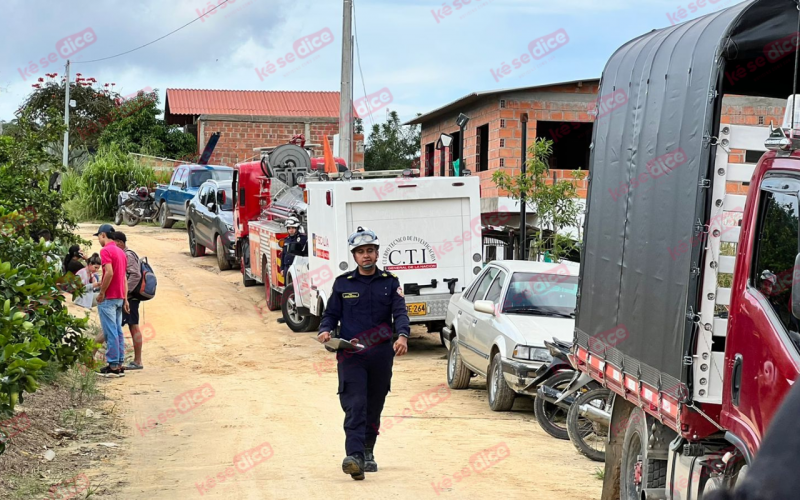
(391, 145)
(135, 127)
(44, 108)
(556, 203)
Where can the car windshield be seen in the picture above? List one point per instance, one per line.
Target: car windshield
(541, 294)
(228, 205)
(198, 177)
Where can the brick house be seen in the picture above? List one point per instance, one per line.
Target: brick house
(249, 119)
(561, 112)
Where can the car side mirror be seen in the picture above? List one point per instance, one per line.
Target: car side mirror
(485, 306)
(221, 197)
(211, 206)
(796, 289)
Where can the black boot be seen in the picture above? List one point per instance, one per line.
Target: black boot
(354, 465)
(369, 461)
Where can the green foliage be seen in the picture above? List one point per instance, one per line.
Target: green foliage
(134, 126)
(35, 326)
(25, 170)
(556, 205)
(44, 107)
(391, 145)
(110, 172)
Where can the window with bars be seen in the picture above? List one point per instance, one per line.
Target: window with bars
(502, 123)
(502, 103)
(761, 120)
(502, 162)
(502, 143)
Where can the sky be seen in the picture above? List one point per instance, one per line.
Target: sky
(425, 53)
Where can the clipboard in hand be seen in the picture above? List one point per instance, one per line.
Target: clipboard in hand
(342, 345)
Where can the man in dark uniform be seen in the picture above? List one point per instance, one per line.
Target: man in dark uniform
(364, 302)
(293, 228)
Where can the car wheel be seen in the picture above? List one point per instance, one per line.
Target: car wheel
(195, 248)
(295, 321)
(553, 418)
(222, 257)
(458, 374)
(501, 396)
(163, 217)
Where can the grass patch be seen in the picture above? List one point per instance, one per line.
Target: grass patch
(599, 473)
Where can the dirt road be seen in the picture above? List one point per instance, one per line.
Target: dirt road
(225, 385)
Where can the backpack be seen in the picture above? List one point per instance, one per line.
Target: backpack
(146, 288)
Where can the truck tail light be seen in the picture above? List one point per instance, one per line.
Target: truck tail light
(329, 198)
(305, 197)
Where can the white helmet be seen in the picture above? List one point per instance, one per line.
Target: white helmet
(292, 222)
(362, 236)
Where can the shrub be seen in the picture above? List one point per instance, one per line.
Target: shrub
(110, 172)
(35, 326)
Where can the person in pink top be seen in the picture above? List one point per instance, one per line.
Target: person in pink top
(112, 300)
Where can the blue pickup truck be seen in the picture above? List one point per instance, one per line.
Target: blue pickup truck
(173, 198)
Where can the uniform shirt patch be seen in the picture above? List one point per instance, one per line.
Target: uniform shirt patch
(400, 291)
(350, 295)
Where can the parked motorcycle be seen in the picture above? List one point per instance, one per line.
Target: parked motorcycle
(549, 380)
(552, 403)
(135, 206)
(588, 421)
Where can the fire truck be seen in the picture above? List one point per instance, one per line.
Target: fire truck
(701, 280)
(429, 228)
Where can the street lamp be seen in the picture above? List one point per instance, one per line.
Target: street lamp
(462, 121)
(444, 141)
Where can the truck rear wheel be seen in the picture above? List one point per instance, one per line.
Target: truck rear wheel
(272, 296)
(244, 262)
(638, 471)
(163, 217)
(296, 322)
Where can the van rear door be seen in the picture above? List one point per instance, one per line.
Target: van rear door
(424, 242)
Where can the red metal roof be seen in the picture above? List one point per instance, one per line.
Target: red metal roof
(252, 102)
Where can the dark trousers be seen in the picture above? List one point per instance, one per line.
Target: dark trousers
(364, 380)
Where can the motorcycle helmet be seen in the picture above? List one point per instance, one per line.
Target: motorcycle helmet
(142, 192)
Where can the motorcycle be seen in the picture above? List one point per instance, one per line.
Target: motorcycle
(557, 383)
(549, 380)
(135, 206)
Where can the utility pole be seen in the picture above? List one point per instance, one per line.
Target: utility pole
(346, 93)
(523, 223)
(65, 155)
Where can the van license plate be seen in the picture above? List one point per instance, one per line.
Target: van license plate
(416, 309)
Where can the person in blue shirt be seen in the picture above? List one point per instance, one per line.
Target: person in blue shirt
(368, 305)
(293, 228)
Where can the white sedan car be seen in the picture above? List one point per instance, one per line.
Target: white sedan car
(497, 326)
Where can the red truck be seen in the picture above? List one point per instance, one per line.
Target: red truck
(700, 279)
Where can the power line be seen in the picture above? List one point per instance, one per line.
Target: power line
(154, 41)
(358, 57)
